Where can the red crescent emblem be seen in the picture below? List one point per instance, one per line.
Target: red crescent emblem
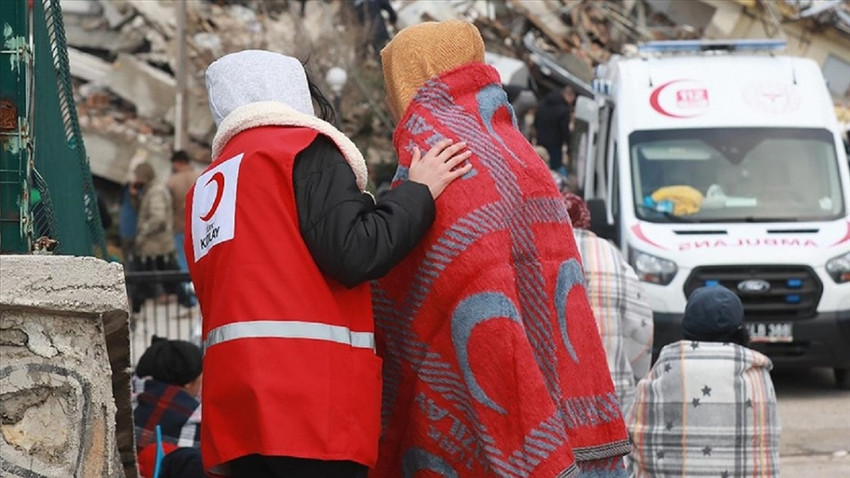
(845, 238)
(638, 232)
(219, 182)
(655, 102)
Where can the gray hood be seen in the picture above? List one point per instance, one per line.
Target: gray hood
(253, 76)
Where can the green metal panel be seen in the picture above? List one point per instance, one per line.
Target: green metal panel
(60, 155)
(15, 140)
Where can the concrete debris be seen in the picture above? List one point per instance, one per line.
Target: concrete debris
(158, 15)
(65, 407)
(88, 67)
(80, 7)
(150, 89)
(125, 51)
(115, 13)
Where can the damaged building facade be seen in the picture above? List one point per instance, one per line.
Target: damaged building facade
(124, 55)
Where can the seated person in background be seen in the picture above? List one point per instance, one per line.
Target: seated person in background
(622, 314)
(708, 407)
(171, 373)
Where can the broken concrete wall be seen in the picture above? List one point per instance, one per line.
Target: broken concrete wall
(64, 405)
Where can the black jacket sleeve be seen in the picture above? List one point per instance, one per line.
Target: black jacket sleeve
(351, 237)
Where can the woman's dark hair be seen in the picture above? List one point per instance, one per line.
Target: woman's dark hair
(326, 109)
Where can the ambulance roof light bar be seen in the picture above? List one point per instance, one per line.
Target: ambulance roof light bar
(700, 46)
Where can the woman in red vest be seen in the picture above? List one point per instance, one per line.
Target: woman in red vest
(281, 241)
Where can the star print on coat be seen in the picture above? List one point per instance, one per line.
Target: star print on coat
(713, 414)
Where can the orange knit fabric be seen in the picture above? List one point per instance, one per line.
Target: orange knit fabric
(424, 51)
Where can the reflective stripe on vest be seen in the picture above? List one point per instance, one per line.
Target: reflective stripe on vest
(280, 329)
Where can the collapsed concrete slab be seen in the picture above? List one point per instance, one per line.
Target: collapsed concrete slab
(88, 67)
(113, 156)
(64, 367)
(150, 89)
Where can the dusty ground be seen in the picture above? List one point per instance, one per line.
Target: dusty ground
(815, 424)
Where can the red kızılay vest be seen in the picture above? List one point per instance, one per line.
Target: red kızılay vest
(289, 366)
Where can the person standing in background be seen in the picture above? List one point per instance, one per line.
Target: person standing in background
(127, 219)
(622, 315)
(182, 178)
(154, 237)
(552, 125)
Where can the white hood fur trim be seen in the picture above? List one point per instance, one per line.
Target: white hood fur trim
(273, 113)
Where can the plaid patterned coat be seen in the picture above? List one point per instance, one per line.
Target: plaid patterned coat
(623, 316)
(177, 413)
(706, 409)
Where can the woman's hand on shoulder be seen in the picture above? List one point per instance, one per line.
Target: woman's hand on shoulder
(441, 165)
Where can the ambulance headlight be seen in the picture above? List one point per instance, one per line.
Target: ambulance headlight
(839, 268)
(652, 269)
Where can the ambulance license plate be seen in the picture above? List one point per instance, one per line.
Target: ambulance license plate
(770, 332)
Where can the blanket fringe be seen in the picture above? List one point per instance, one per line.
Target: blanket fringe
(619, 448)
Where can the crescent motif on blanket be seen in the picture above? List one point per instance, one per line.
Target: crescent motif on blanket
(569, 276)
(490, 99)
(468, 314)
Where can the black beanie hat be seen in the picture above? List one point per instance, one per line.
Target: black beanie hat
(175, 362)
(712, 313)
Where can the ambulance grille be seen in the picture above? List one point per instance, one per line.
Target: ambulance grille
(793, 293)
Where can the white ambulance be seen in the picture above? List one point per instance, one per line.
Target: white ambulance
(722, 163)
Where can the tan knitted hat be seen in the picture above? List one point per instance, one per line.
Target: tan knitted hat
(421, 52)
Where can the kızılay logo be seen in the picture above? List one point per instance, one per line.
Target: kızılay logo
(218, 178)
(214, 206)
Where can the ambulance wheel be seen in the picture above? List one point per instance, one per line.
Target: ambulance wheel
(842, 378)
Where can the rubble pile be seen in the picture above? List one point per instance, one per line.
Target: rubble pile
(124, 57)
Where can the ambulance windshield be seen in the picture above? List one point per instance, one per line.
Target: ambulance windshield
(735, 175)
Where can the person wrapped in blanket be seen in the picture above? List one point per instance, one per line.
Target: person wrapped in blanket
(170, 373)
(493, 365)
(707, 407)
(622, 314)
